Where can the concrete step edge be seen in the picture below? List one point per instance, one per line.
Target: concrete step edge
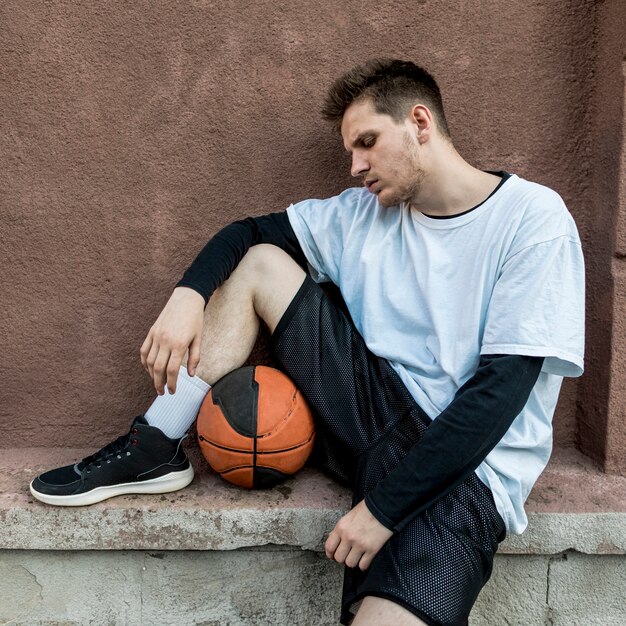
(573, 507)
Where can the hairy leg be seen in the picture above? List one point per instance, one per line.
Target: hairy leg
(375, 611)
(261, 288)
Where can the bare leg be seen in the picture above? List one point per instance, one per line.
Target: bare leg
(264, 283)
(262, 286)
(376, 611)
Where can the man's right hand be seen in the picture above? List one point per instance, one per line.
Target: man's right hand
(177, 330)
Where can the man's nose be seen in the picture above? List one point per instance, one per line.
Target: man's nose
(359, 165)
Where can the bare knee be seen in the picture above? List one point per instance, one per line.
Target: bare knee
(273, 278)
(375, 611)
(261, 265)
(264, 259)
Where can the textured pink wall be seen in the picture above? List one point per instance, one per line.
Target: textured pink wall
(602, 391)
(131, 132)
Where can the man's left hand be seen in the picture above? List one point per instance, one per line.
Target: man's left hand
(357, 538)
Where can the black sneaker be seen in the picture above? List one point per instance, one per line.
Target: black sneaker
(143, 461)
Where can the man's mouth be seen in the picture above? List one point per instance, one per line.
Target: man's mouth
(371, 184)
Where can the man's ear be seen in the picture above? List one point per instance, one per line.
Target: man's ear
(421, 117)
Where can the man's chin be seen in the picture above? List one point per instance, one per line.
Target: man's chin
(387, 199)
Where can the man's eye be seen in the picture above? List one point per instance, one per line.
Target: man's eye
(369, 142)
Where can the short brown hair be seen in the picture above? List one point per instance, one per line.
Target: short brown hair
(392, 85)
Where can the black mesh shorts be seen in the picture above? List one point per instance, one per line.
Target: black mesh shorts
(366, 422)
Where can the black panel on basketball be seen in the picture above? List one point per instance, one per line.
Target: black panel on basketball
(265, 477)
(237, 395)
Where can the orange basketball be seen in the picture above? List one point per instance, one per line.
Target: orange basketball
(255, 428)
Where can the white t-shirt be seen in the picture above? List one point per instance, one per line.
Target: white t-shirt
(431, 295)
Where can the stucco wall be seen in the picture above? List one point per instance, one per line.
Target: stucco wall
(602, 407)
(131, 132)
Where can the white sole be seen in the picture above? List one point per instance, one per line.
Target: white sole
(163, 484)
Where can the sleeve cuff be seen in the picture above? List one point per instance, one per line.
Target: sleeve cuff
(378, 514)
(184, 283)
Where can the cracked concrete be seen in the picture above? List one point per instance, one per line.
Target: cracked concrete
(561, 590)
(56, 587)
(550, 617)
(12, 606)
(279, 585)
(588, 590)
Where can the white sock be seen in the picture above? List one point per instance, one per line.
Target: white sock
(175, 413)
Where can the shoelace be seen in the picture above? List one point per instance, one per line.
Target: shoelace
(112, 449)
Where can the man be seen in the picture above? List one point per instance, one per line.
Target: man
(433, 397)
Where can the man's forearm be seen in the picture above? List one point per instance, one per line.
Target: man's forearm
(457, 441)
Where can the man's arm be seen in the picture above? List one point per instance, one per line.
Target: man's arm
(178, 329)
(451, 449)
(222, 254)
(457, 441)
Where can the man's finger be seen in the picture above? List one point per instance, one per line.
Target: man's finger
(331, 544)
(151, 358)
(145, 350)
(173, 367)
(194, 356)
(342, 552)
(354, 557)
(160, 370)
(365, 561)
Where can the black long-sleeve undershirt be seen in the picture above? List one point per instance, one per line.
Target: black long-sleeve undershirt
(457, 442)
(221, 255)
(454, 444)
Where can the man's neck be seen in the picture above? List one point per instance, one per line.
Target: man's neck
(452, 185)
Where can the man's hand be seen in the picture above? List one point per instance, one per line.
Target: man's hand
(357, 538)
(178, 329)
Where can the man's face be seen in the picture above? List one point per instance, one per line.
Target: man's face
(385, 153)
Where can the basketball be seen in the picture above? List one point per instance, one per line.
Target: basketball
(255, 428)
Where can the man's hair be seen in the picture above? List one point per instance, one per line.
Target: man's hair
(392, 85)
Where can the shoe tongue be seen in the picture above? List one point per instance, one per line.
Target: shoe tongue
(140, 419)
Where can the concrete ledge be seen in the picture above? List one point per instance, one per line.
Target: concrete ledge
(210, 514)
(230, 557)
(573, 507)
